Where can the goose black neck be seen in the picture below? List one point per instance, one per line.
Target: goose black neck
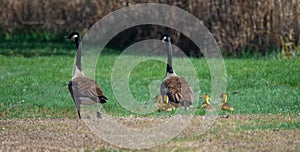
(169, 69)
(77, 42)
(78, 54)
(169, 65)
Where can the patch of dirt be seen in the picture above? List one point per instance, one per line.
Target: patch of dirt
(236, 133)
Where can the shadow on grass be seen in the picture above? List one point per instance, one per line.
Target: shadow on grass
(35, 48)
(43, 48)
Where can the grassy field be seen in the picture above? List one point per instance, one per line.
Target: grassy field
(37, 112)
(36, 87)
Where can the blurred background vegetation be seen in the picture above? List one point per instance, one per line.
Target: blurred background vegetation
(241, 27)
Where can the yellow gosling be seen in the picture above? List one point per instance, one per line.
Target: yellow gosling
(225, 106)
(165, 105)
(159, 102)
(206, 104)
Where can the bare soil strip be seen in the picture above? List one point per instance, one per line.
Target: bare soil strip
(236, 133)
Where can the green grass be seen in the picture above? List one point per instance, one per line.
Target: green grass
(284, 125)
(36, 87)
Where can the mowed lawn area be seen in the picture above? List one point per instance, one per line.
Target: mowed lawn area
(36, 87)
(35, 101)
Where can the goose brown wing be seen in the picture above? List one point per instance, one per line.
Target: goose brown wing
(187, 91)
(178, 90)
(172, 87)
(86, 87)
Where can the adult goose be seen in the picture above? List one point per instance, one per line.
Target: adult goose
(176, 88)
(83, 90)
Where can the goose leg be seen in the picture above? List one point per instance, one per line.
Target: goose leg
(78, 109)
(72, 95)
(99, 114)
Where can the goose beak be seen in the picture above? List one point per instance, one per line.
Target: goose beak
(66, 37)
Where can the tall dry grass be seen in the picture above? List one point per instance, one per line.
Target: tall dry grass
(260, 25)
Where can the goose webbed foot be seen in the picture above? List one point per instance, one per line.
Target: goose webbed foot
(99, 114)
(78, 110)
(227, 116)
(79, 114)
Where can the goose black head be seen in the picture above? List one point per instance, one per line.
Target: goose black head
(206, 97)
(165, 38)
(224, 97)
(73, 36)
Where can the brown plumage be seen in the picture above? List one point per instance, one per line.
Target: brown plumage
(83, 90)
(225, 106)
(86, 87)
(176, 88)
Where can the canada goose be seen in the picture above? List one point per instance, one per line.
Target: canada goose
(164, 106)
(176, 88)
(206, 104)
(225, 106)
(83, 90)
